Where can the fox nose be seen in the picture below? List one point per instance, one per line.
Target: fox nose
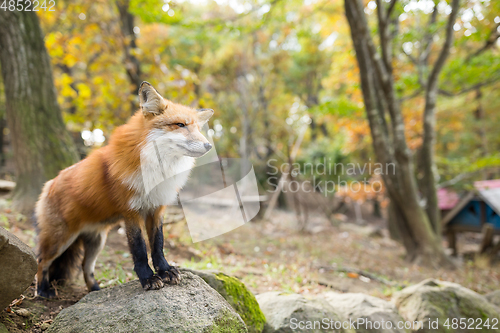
(208, 146)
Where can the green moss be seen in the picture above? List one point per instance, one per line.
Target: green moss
(242, 301)
(226, 323)
(237, 295)
(3, 329)
(447, 303)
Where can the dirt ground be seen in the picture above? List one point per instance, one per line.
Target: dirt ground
(265, 255)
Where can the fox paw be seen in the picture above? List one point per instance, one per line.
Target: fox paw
(171, 275)
(49, 293)
(153, 283)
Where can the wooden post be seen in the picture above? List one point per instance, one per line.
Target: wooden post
(284, 176)
(482, 205)
(357, 212)
(487, 240)
(495, 250)
(452, 241)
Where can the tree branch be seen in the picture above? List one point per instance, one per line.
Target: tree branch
(463, 176)
(419, 66)
(468, 89)
(362, 26)
(438, 66)
(385, 41)
(391, 8)
(427, 42)
(490, 42)
(412, 95)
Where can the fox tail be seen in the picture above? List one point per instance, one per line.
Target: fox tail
(68, 263)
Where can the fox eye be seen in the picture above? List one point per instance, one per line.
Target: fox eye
(180, 124)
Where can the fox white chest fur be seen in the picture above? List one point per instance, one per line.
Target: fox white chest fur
(164, 170)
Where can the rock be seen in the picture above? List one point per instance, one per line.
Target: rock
(237, 295)
(371, 314)
(190, 306)
(447, 303)
(286, 313)
(44, 326)
(3, 329)
(17, 267)
(6, 185)
(494, 297)
(23, 312)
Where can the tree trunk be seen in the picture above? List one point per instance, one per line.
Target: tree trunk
(428, 165)
(389, 141)
(431, 92)
(2, 139)
(132, 64)
(41, 144)
(481, 131)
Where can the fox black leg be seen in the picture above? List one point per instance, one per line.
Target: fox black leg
(140, 256)
(169, 274)
(44, 288)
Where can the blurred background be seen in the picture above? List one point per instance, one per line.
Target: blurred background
(372, 127)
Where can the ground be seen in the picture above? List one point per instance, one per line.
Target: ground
(265, 255)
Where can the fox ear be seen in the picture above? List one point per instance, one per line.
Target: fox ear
(204, 115)
(150, 100)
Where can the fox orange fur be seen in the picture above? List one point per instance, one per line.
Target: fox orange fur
(76, 209)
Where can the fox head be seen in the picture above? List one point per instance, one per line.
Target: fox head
(176, 127)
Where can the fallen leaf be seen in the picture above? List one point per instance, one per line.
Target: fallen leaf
(17, 301)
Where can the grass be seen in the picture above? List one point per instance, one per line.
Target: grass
(113, 275)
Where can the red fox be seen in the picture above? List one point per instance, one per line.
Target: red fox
(77, 208)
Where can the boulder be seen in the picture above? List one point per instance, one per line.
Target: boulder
(17, 267)
(440, 306)
(286, 313)
(237, 295)
(6, 185)
(494, 297)
(190, 306)
(371, 314)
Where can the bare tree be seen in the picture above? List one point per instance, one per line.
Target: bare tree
(42, 146)
(417, 226)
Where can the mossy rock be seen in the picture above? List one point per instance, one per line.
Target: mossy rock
(3, 329)
(191, 306)
(237, 295)
(494, 297)
(432, 300)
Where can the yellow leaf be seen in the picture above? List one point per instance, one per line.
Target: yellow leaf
(83, 90)
(70, 60)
